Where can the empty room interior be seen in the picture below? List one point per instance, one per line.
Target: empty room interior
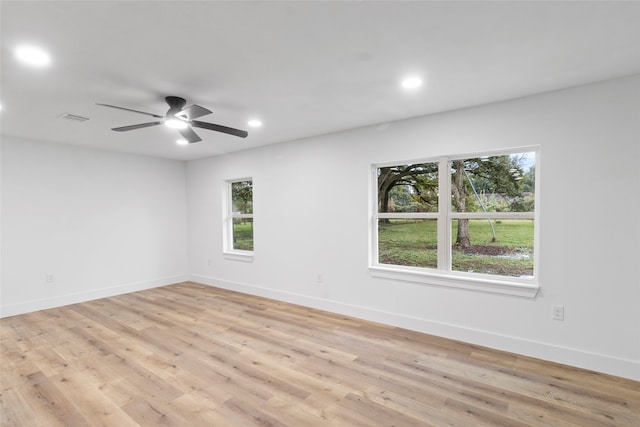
(320, 213)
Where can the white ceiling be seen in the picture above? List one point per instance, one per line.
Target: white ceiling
(304, 68)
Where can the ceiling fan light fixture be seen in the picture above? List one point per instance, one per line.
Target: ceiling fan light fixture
(175, 123)
(182, 142)
(254, 123)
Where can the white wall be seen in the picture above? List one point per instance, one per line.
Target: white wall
(101, 223)
(311, 216)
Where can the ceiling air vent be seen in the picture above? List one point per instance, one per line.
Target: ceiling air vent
(73, 117)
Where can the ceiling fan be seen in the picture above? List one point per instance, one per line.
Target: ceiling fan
(180, 118)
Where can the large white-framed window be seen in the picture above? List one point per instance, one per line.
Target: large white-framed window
(466, 221)
(238, 219)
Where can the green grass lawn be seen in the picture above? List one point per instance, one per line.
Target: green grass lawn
(243, 235)
(414, 243)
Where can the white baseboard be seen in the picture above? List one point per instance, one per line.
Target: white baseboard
(568, 356)
(61, 300)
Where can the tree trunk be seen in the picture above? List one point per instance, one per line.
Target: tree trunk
(385, 205)
(384, 186)
(463, 240)
(459, 190)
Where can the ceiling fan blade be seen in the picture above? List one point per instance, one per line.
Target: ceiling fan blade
(129, 109)
(193, 112)
(189, 135)
(133, 127)
(220, 128)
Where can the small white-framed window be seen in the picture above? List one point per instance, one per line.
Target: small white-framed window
(465, 221)
(238, 218)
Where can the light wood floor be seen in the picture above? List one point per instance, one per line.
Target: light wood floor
(192, 355)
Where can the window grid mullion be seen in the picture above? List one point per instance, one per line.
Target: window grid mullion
(491, 215)
(444, 210)
(237, 215)
(407, 215)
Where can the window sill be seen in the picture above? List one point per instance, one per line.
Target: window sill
(244, 256)
(461, 281)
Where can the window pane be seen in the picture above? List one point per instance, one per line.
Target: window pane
(494, 184)
(242, 197)
(408, 242)
(408, 188)
(243, 234)
(502, 247)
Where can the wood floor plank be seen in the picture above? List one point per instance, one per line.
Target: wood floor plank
(200, 409)
(406, 404)
(51, 405)
(16, 410)
(148, 411)
(96, 408)
(189, 354)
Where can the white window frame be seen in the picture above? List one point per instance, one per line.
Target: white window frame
(228, 217)
(444, 275)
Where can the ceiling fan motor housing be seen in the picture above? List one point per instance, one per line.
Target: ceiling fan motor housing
(176, 104)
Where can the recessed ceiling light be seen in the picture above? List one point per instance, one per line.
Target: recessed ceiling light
(254, 123)
(182, 142)
(33, 56)
(176, 124)
(412, 82)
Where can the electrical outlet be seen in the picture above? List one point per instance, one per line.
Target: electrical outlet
(49, 278)
(558, 312)
(319, 278)
(209, 262)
